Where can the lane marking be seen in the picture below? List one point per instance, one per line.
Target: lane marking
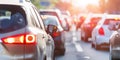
(86, 57)
(77, 45)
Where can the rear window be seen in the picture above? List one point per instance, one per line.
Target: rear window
(93, 20)
(52, 20)
(11, 18)
(111, 21)
(49, 13)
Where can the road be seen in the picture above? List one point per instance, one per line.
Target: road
(79, 50)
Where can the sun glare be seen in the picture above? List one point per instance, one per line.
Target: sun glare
(84, 3)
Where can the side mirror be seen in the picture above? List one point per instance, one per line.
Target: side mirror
(51, 28)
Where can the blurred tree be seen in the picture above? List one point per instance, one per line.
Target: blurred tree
(67, 6)
(93, 8)
(110, 6)
(36, 3)
(102, 4)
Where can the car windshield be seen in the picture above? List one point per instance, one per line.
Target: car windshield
(11, 18)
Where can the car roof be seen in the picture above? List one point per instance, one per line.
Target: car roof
(51, 10)
(14, 2)
(112, 16)
(95, 15)
(56, 11)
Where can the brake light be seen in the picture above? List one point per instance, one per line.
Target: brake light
(55, 34)
(101, 31)
(20, 39)
(30, 39)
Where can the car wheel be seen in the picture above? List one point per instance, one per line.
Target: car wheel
(45, 58)
(93, 45)
(110, 55)
(85, 37)
(97, 47)
(54, 56)
(62, 52)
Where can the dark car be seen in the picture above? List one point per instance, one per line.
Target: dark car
(88, 25)
(56, 33)
(58, 14)
(22, 32)
(81, 19)
(115, 44)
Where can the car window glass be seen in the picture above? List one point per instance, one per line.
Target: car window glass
(11, 19)
(50, 20)
(34, 18)
(95, 19)
(111, 21)
(39, 18)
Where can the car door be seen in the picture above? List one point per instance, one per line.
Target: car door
(41, 36)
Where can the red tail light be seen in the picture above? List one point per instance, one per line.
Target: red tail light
(101, 31)
(55, 34)
(20, 39)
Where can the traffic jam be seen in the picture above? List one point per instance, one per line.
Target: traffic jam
(59, 30)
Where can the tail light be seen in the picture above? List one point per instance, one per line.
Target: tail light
(20, 39)
(93, 25)
(101, 31)
(55, 34)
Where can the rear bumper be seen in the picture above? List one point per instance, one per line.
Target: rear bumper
(29, 53)
(59, 45)
(16, 57)
(102, 41)
(88, 31)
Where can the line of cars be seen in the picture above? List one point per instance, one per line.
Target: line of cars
(26, 34)
(104, 31)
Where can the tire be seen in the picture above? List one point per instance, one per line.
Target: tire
(45, 58)
(54, 56)
(97, 47)
(84, 37)
(93, 45)
(62, 52)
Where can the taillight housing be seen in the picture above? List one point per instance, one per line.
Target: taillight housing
(101, 31)
(20, 39)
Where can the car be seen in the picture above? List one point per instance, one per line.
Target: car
(115, 44)
(81, 19)
(88, 25)
(58, 14)
(67, 22)
(102, 32)
(57, 34)
(22, 32)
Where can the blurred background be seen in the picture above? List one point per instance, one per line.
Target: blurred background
(80, 6)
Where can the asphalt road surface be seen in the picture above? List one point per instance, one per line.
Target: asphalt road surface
(79, 50)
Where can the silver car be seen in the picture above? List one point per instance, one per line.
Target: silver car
(104, 29)
(22, 32)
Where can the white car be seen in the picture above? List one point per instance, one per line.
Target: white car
(22, 32)
(102, 32)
